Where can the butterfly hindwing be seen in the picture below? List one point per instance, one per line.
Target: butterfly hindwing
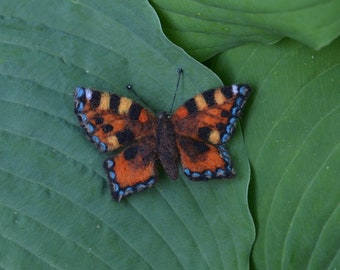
(111, 121)
(211, 116)
(203, 161)
(132, 170)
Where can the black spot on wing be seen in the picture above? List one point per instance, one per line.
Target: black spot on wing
(227, 91)
(225, 113)
(125, 137)
(95, 99)
(114, 102)
(131, 152)
(98, 120)
(134, 111)
(204, 132)
(107, 128)
(209, 97)
(200, 148)
(193, 148)
(191, 105)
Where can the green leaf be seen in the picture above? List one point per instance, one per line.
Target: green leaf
(55, 207)
(292, 137)
(206, 28)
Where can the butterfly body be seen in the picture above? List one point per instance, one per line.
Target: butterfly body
(166, 145)
(193, 135)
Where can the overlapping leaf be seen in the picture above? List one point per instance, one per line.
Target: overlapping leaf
(205, 28)
(292, 137)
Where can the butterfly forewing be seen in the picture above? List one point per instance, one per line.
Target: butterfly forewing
(111, 121)
(211, 116)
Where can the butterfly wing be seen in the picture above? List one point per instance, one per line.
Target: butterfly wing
(211, 116)
(111, 121)
(203, 161)
(203, 124)
(132, 170)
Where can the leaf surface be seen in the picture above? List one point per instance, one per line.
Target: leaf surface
(55, 207)
(292, 137)
(206, 28)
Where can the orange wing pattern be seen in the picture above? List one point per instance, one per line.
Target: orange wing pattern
(203, 124)
(132, 170)
(111, 121)
(203, 161)
(211, 116)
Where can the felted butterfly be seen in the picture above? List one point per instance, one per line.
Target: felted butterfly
(193, 135)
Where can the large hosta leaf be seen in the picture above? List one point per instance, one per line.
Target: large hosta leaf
(292, 137)
(55, 208)
(205, 28)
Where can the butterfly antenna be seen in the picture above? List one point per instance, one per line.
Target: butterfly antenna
(180, 74)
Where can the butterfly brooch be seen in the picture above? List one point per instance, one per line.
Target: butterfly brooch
(193, 135)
